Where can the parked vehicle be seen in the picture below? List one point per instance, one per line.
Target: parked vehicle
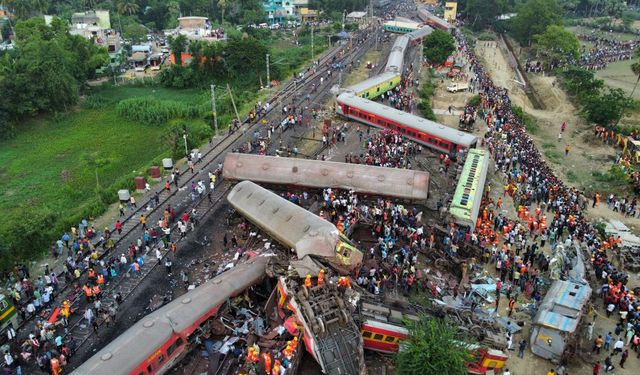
(457, 87)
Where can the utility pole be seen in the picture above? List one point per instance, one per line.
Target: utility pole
(234, 103)
(312, 54)
(268, 75)
(213, 108)
(344, 15)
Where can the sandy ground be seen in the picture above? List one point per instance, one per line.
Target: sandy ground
(582, 158)
(585, 156)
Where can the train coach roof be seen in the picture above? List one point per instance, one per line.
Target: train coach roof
(421, 32)
(395, 182)
(418, 123)
(562, 307)
(371, 82)
(287, 222)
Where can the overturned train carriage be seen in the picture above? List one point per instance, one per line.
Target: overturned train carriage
(294, 227)
(555, 326)
(405, 184)
(159, 340)
(429, 133)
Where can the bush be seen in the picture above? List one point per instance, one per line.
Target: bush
(474, 101)
(529, 123)
(156, 112)
(486, 36)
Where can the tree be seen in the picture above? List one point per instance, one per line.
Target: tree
(581, 82)
(481, 13)
(557, 44)
(607, 108)
(46, 70)
(635, 68)
(534, 17)
(432, 348)
(438, 46)
(95, 162)
(128, 8)
(222, 5)
(178, 45)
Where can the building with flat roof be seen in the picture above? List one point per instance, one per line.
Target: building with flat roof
(198, 28)
(279, 11)
(450, 11)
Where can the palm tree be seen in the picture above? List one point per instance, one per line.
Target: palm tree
(128, 8)
(222, 5)
(635, 68)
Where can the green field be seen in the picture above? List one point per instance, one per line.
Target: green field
(46, 179)
(619, 75)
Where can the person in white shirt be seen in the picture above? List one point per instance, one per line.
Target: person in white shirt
(8, 358)
(618, 346)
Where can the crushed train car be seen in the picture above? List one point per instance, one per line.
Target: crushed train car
(295, 227)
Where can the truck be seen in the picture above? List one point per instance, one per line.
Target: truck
(457, 87)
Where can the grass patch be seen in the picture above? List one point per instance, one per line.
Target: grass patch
(553, 156)
(571, 176)
(48, 169)
(548, 145)
(529, 122)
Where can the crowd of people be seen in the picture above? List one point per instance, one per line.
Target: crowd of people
(386, 148)
(530, 181)
(602, 52)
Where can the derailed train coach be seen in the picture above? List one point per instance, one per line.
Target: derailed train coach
(406, 184)
(295, 227)
(431, 134)
(161, 339)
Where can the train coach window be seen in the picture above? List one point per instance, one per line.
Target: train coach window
(366, 334)
(389, 339)
(378, 336)
(172, 347)
(161, 358)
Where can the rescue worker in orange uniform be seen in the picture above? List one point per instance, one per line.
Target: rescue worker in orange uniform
(88, 292)
(307, 281)
(55, 366)
(100, 279)
(252, 355)
(266, 357)
(96, 291)
(276, 368)
(321, 277)
(344, 281)
(65, 313)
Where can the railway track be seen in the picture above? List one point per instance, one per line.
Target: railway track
(180, 200)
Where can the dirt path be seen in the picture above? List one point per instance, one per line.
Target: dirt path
(587, 159)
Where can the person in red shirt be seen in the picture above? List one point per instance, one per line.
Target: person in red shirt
(596, 368)
(119, 226)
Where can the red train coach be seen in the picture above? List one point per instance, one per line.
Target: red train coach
(431, 134)
(159, 340)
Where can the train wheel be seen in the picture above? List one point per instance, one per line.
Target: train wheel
(344, 318)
